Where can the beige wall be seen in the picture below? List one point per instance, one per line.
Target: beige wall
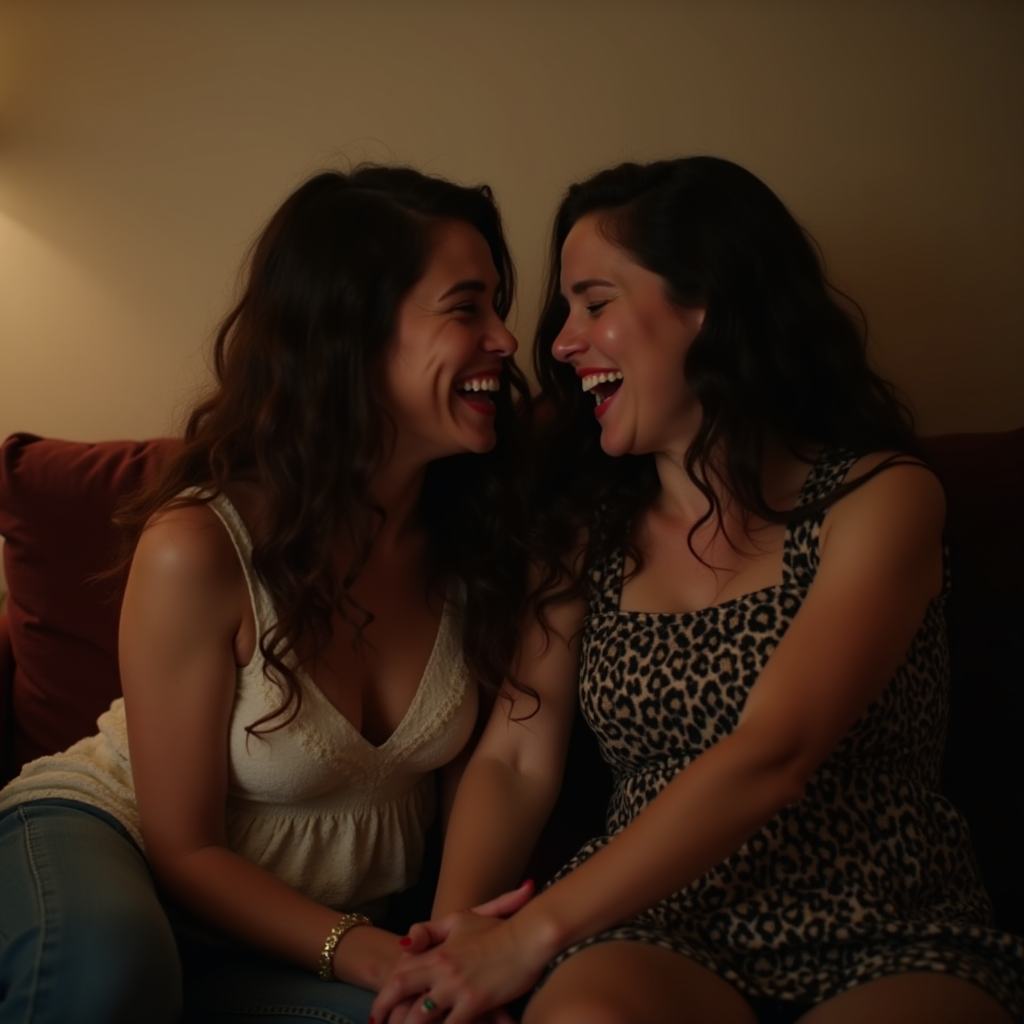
(142, 143)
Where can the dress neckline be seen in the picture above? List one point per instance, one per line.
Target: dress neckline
(818, 473)
(262, 609)
(429, 673)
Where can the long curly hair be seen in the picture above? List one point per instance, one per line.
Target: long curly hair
(296, 409)
(780, 351)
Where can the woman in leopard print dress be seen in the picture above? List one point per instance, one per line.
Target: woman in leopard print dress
(742, 564)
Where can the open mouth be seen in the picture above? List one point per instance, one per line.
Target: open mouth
(477, 392)
(603, 386)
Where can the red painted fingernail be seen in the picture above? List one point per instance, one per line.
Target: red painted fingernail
(404, 941)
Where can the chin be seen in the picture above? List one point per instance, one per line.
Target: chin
(479, 444)
(614, 446)
(484, 445)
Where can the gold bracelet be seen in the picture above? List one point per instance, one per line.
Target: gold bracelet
(325, 967)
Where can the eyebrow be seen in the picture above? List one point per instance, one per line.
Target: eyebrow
(591, 282)
(464, 286)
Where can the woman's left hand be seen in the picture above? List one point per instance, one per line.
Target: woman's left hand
(466, 976)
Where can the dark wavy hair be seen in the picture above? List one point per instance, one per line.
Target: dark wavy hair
(297, 410)
(780, 351)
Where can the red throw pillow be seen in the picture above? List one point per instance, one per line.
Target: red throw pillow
(56, 503)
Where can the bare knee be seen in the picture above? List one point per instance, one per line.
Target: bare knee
(577, 1008)
(911, 997)
(631, 983)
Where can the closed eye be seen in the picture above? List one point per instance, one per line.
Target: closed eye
(596, 307)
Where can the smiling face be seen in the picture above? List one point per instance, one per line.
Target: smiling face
(445, 361)
(627, 343)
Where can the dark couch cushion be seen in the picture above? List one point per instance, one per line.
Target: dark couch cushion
(56, 503)
(984, 765)
(6, 691)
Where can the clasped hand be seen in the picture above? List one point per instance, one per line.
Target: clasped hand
(462, 968)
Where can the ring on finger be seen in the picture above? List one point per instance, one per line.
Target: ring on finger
(428, 1005)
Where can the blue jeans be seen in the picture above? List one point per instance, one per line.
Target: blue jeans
(84, 937)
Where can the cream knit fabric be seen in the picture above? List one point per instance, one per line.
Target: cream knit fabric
(314, 803)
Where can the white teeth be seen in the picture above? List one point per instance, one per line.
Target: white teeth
(479, 384)
(593, 379)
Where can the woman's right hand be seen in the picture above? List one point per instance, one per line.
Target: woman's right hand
(426, 934)
(470, 975)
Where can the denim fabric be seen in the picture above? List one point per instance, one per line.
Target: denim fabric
(232, 989)
(84, 937)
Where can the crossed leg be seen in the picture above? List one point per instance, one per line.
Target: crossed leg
(632, 983)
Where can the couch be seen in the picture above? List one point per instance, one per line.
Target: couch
(58, 633)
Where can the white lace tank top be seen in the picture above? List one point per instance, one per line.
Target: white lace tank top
(314, 803)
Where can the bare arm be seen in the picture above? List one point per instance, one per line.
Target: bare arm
(880, 566)
(186, 625)
(513, 778)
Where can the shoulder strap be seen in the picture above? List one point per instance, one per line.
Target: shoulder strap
(604, 588)
(238, 532)
(800, 553)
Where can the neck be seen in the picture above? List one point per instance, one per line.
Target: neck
(681, 498)
(396, 488)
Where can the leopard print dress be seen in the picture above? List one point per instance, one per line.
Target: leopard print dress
(869, 874)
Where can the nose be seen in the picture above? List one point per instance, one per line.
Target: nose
(500, 339)
(568, 342)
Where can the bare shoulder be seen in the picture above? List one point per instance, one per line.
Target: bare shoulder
(186, 547)
(902, 486)
(897, 515)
